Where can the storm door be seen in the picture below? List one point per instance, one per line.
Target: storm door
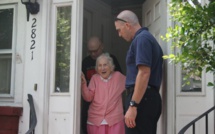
(66, 52)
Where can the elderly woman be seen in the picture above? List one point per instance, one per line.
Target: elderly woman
(105, 114)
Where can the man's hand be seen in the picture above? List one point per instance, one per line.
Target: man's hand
(130, 117)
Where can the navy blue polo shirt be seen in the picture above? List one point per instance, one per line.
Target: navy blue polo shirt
(144, 50)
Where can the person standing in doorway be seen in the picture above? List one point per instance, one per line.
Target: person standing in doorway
(105, 114)
(95, 49)
(143, 75)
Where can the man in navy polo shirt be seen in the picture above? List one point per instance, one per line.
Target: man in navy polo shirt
(143, 76)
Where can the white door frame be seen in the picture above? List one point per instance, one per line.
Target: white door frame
(76, 52)
(170, 84)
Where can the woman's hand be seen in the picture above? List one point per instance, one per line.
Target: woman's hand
(83, 80)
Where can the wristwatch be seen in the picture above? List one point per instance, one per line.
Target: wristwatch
(133, 104)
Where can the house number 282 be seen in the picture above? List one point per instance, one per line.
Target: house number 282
(33, 37)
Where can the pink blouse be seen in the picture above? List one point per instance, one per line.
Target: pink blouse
(105, 98)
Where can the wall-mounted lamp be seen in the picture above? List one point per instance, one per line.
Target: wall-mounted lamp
(31, 6)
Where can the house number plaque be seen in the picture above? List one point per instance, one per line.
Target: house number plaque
(33, 37)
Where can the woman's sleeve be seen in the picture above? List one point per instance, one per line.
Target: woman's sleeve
(88, 92)
(121, 82)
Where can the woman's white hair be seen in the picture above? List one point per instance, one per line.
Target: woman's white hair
(109, 59)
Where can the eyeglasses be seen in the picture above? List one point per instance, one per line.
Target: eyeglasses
(118, 19)
(96, 50)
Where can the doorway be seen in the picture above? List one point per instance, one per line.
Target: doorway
(98, 21)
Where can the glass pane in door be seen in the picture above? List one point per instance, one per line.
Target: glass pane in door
(195, 83)
(63, 41)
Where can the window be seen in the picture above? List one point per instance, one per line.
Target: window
(6, 50)
(195, 83)
(63, 41)
(196, 87)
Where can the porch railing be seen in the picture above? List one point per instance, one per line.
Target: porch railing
(192, 123)
(33, 117)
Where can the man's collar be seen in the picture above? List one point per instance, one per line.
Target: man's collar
(141, 29)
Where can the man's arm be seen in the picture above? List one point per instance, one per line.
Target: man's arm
(141, 83)
(139, 91)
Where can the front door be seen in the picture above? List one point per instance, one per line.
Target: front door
(193, 100)
(65, 63)
(154, 17)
